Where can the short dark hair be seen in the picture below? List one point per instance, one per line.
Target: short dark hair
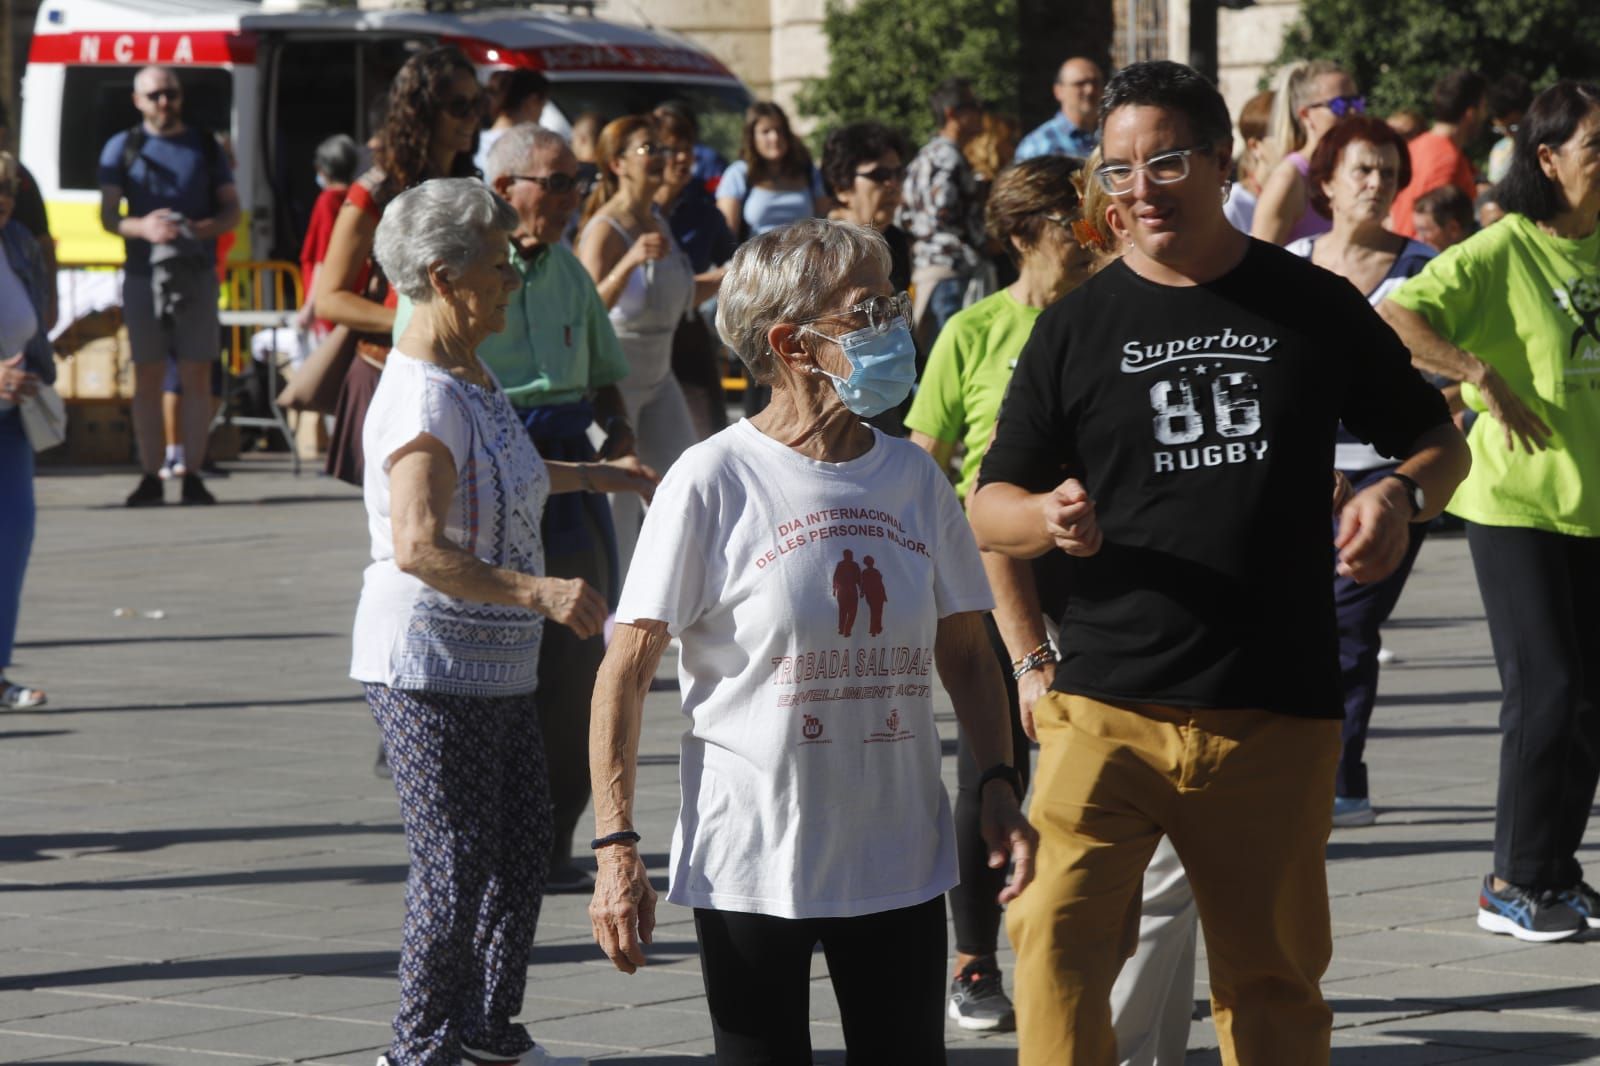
(949, 95)
(1456, 93)
(337, 158)
(860, 142)
(676, 119)
(510, 89)
(1445, 203)
(1175, 87)
(1325, 160)
(1510, 95)
(1551, 120)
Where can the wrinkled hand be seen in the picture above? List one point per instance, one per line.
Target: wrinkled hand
(1031, 688)
(15, 382)
(1342, 490)
(1515, 417)
(160, 228)
(649, 246)
(623, 910)
(1374, 531)
(1070, 520)
(1009, 836)
(572, 601)
(627, 474)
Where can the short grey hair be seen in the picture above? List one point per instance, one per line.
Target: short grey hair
(517, 146)
(789, 274)
(449, 221)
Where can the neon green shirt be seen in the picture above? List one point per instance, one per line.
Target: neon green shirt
(558, 345)
(967, 374)
(1528, 304)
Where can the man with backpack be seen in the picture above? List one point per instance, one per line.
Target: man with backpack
(181, 198)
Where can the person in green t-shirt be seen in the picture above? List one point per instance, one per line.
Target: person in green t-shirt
(1513, 313)
(1030, 211)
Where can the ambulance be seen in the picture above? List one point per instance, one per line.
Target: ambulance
(274, 81)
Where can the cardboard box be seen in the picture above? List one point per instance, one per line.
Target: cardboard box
(93, 360)
(99, 433)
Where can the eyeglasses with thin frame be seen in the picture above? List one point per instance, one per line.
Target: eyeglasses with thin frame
(464, 106)
(164, 94)
(882, 312)
(1341, 106)
(1164, 169)
(880, 175)
(556, 184)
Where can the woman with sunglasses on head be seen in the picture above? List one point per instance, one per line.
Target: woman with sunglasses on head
(844, 571)
(1309, 98)
(435, 107)
(773, 182)
(649, 284)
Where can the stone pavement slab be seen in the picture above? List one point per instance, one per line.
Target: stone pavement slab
(199, 866)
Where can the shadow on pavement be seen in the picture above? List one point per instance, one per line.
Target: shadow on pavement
(303, 701)
(174, 638)
(30, 847)
(356, 875)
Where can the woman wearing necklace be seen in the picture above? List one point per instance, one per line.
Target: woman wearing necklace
(1513, 312)
(449, 625)
(1356, 171)
(649, 285)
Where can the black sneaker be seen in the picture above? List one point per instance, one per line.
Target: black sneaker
(195, 491)
(1585, 900)
(1539, 917)
(148, 494)
(977, 1000)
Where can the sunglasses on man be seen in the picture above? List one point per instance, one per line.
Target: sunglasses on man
(879, 175)
(1344, 105)
(164, 94)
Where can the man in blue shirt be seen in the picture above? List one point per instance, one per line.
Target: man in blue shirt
(1072, 130)
(181, 198)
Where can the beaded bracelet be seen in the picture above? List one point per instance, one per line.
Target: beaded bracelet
(1036, 658)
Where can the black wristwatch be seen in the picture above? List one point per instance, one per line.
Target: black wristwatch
(1414, 493)
(1002, 771)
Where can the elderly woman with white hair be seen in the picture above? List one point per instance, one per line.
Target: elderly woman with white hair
(447, 632)
(813, 810)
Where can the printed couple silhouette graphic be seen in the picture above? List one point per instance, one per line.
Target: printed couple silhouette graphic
(851, 585)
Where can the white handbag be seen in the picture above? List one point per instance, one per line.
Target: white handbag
(44, 418)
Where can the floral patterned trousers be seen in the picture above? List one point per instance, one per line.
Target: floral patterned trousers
(474, 798)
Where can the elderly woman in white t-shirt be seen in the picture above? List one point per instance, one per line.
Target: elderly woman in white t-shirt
(813, 810)
(447, 631)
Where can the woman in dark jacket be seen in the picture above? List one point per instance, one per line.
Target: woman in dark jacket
(25, 362)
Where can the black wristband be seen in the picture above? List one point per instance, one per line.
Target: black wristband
(625, 836)
(1002, 771)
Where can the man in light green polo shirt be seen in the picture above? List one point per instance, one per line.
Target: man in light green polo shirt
(558, 361)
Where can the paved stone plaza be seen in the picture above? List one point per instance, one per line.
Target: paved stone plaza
(200, 867)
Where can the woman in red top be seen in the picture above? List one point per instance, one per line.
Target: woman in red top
(336, 162)
(435, 108)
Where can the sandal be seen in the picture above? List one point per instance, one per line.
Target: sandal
(19, 697)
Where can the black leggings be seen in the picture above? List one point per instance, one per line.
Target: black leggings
(1540, 593)
(973, 904)
(887, 971)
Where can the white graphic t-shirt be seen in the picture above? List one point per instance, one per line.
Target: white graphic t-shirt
(807, 596)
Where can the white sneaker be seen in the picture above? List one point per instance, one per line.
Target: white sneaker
(1385, 656)
(1351, 812)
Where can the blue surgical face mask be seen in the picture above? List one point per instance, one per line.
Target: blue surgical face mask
(883, 367)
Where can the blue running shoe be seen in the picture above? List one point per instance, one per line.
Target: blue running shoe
(1585, 900)
(1350, 812)
(1538, 917)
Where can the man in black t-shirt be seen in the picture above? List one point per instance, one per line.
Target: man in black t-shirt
(1171, 427)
